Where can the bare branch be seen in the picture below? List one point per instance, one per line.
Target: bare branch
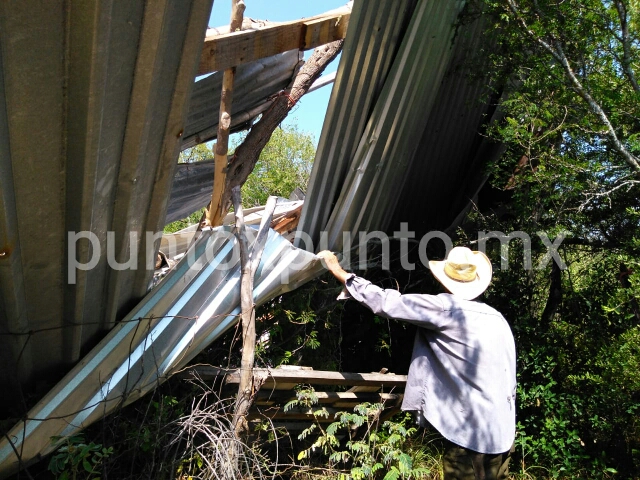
(247, 154)
(248, 265)
(245, 388)
(591, 196)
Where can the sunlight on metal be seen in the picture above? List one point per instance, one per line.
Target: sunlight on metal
(191, 308)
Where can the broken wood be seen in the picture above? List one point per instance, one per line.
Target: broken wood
(265, 39)
(248, 266)
(214, 212)
(248, 153)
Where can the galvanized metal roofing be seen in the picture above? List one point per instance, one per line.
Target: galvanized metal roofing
(402, 143)
(376, 30)
(93, 97)
(197, 302)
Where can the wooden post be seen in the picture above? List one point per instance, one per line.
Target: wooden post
(214, 213)
(249, 265)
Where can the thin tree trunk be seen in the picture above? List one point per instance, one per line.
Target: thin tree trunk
(249, 264)
(214, 213)
(555, 295)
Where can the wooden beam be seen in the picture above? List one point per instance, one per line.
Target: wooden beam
(235, 48)
(297, 413)
(275, 378)
(265, 397)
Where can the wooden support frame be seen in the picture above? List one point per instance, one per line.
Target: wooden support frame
(282, 379)
(235, 48)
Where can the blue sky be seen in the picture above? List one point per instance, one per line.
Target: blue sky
(310, 111)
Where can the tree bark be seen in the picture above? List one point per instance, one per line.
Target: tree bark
(555, 295)
(247, 154)
(214, 213)
(249, 264)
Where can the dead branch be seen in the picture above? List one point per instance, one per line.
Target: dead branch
(247, 154)
(248, 264)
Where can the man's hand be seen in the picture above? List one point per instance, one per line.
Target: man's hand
(333, 265)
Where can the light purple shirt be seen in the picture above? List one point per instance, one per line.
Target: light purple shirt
(462, 377)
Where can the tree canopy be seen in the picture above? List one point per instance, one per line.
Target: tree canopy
(284, 165)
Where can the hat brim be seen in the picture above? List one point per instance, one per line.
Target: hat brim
(465, 290)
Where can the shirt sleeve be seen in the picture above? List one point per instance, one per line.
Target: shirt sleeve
(423, 310)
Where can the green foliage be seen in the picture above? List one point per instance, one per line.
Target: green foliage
(356, 439)
(571, 111)
(192, 219)
(295, 326)
(76, 459)
(577, 368)
(284, 164)
(196, 154)
(567, 74)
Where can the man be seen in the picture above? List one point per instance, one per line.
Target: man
(462, 376)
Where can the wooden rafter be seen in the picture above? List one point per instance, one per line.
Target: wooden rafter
(214, 213)
(235, 48)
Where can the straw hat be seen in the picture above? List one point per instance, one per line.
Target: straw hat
(464, 273)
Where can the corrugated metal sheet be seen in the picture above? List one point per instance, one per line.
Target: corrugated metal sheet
(375, 32)
(388, 144)
(197, 302)
(191, 189)
(448, 167)
(419, 160)
(93, 99)
(253, 84)
(385, 148)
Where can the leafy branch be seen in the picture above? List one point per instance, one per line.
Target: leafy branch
(555, 47)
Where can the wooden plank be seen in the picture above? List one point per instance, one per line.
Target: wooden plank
(322, 31)
(264, 397)
(236, 48)
(274, 378)
(277, 413)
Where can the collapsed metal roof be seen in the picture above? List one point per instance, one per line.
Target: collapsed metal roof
(93, 98)
(402, 141)
(109, 92)
(196, 303)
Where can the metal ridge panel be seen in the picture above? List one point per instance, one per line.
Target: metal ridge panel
(399, 116)
(375, 33)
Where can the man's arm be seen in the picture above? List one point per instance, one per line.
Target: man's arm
(332, 263)
(422, 310)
